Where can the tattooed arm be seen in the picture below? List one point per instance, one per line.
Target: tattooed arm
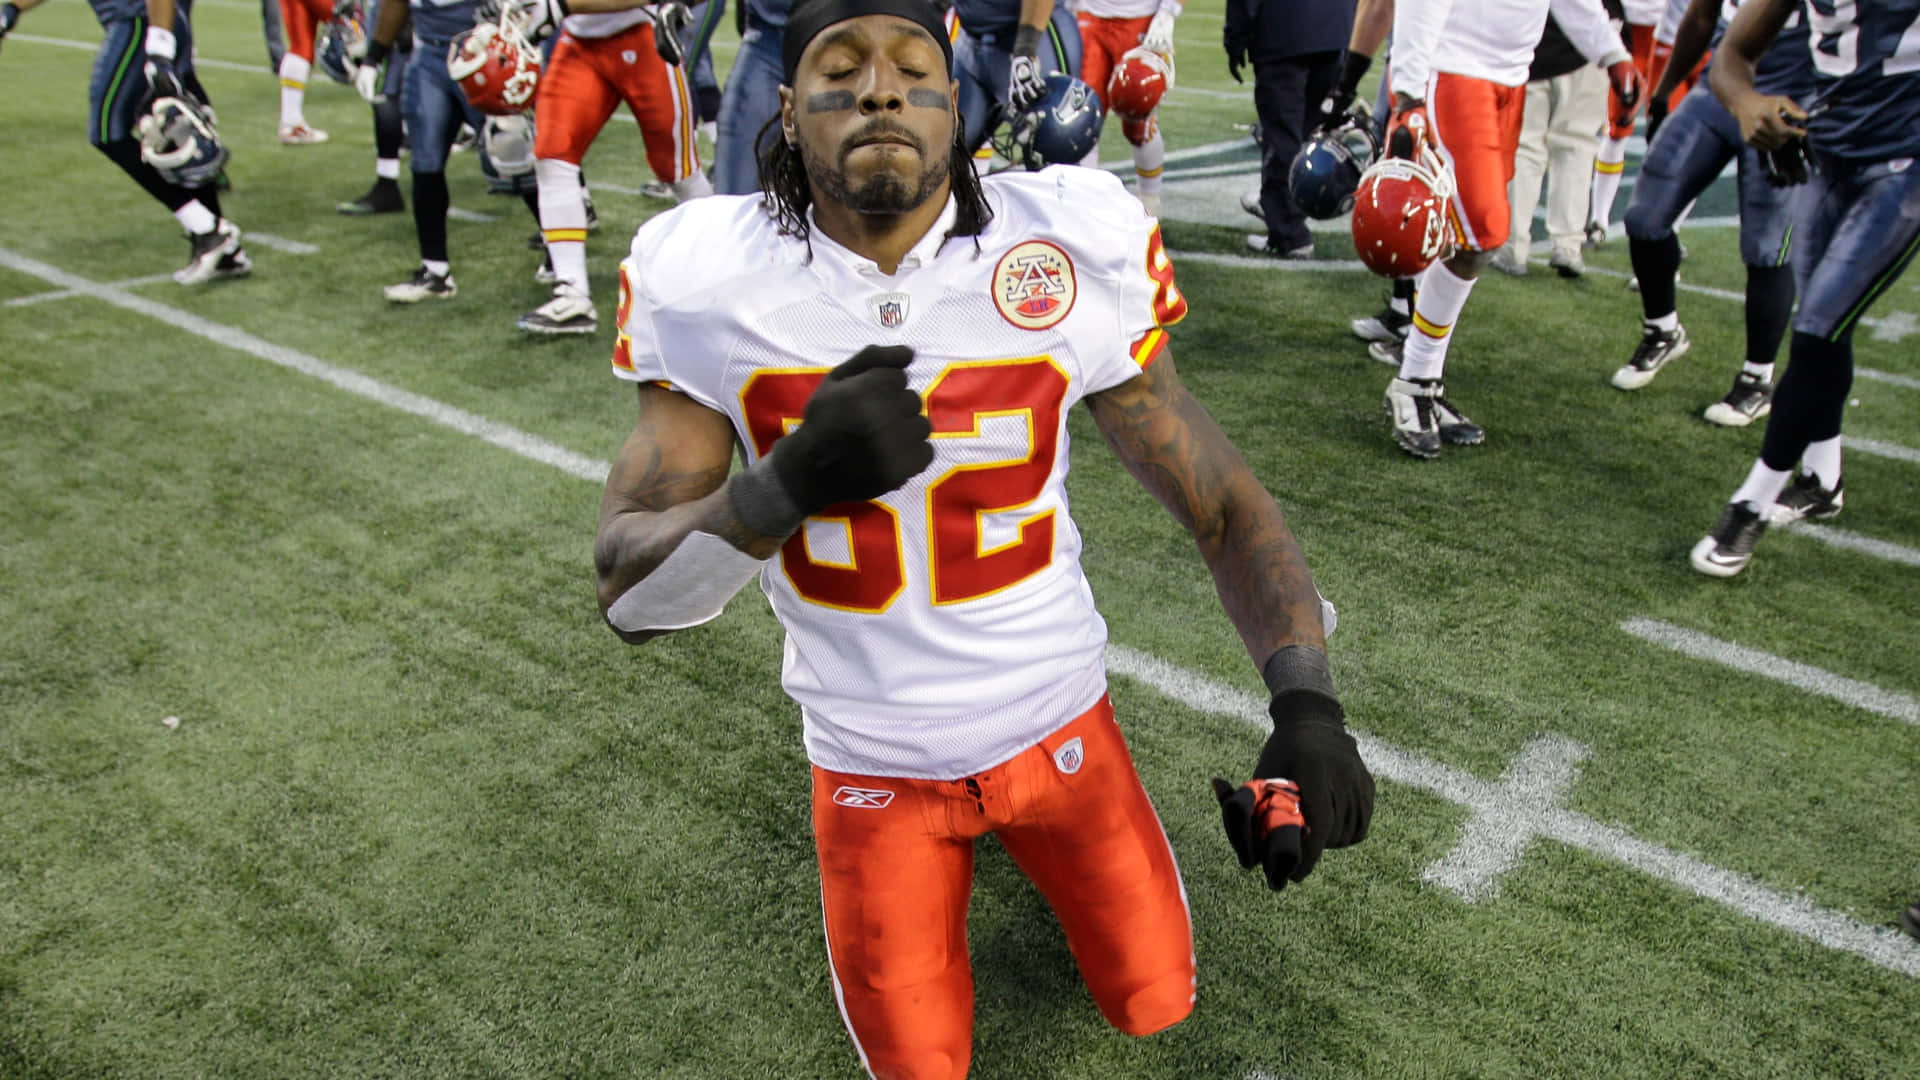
(669, 481)
(1177, 452)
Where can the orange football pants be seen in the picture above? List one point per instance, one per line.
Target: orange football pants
(1103, 42)
(588, 78)
(896, 871)
(1476, 124)
(1650, 57)
(300, 20)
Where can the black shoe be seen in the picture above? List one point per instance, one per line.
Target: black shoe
(382, 198)
(1657, 348)
(1416, 423)
(1726, 550)
(1454, 425)
(1805, 498)
(1910, 919)
(1389, 326)
(1750, 399)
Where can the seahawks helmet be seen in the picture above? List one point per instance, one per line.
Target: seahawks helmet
(1060, 128)
(178, 139)
(343, 39)
(1326, 171)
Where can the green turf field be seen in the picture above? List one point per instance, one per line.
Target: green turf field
(422, 816)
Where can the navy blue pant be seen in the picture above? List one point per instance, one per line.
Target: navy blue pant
(1693, 147)
(751, 99)
(1286, 94)
(983, 62)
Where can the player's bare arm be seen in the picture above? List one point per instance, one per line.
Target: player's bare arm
(1690, 41)
(1310, 790)
(1767, 121)
(1166, 439)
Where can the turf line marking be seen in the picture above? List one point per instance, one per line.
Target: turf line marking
(1266, 262)
(62, 294)
(617, 189)
(1885, 947)
(475, 216)
(1813, 680)
(1493, 841)
(281, 243)
(94, 47)
(1881, 449)
(1854, 542)
(507, 438)
(1888, 377)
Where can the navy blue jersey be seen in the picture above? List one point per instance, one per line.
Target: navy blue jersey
(770, 12)
(1866, 60)
(992, 18)
(1787, 65)
(438, 22)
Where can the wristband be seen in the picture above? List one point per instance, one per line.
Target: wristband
(376, 53)
(1352, 70)
(1296, 668)
(761, 501)
(1026, 42)
(160, 44)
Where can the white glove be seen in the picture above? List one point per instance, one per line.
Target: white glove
(540, 17)
(366, 79)
(1159, 35)
(1026, 83)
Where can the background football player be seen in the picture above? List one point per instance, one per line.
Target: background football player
(1459, 74)
(1295, 47)
(941, 639)
(434, 108)
(300, 21)
(751, 101)
(1692, 147)
(1128, 45)
(1006, 50)
(1856, 229)
(607, 53)
(1566, 105)
(389, 129)
(1610, 161)
(147, 56)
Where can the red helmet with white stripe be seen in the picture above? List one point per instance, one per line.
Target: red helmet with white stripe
(1138, 82)
(496, 66)
(1400, 214)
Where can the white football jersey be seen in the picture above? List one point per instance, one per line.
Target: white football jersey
(1491, 39)
(1128, 9)
(600, 24)
(944, 627)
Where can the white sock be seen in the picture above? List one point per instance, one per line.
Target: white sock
(1822, 459)
(1608, 165)
(711, 129)
(196, 218)
(387, 168)
(1763, 372)
(293, 89)
(437, 267)
(1436, 308)
(1666, 324)
(1150, 162)
(696, 186)
(563, 219)
(1763, 486)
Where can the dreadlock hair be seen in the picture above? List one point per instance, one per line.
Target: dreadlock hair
(786, 195)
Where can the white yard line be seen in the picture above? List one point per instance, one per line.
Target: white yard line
(280, 243)
(1263, 262)
(1492, 801)
(1888, 377)
(1852, 541)
(260, 68)
(63, 294)
(1813, 680)
(1875, 447)
(475, 216)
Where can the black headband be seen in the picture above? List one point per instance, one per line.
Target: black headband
(810, 17)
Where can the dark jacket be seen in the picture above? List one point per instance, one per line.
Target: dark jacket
(1555, 55)
(1280, 29)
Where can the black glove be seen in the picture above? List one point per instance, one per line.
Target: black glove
(1235, 42)
(1788, 165)
(1656, 115)
(162, 82)
(863, 434)
(1339, 101)
(1310, 746)
(669, 22)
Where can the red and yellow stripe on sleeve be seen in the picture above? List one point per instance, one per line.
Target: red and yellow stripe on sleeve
(1169, 303)
(622, 344)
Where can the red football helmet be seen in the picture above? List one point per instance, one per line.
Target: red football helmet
(1401, 214)
(1137, 83)
(495, 65)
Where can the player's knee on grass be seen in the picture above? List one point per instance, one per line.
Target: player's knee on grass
(1155, 1007)
(922, 1065)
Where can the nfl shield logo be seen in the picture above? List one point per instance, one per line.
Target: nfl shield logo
(1069, 757)
(890, 309)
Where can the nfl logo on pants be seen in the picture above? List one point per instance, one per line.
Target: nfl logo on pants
(1069, 757)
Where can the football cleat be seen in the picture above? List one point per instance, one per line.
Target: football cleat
(1058, 129)
(495, 65)
(1250, 202)
(178, 138)
(1454, 425)
(382, 198)
(301, 135)
(1726, 550)
(1504, 262)
(1805, 498)
(1400, 215)
(216, 254)
(1750, 399)
(423, 285)
(1260, 245)
(1387, 352)
(1387, 326)
(1325, 174)
(569, 312)
(1656, 349)
(1416, 423)
(657, 189)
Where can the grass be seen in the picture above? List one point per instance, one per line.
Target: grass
(423, 816)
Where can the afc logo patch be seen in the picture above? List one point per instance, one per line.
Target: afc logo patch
(890, 309)
(862, 798)
(1070, 756)
(1034, 286)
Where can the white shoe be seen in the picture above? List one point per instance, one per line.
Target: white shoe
(1567, 261)
(569, 312)
(216, 254)
(1503, 260)
(423, 285)
(300, 135)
